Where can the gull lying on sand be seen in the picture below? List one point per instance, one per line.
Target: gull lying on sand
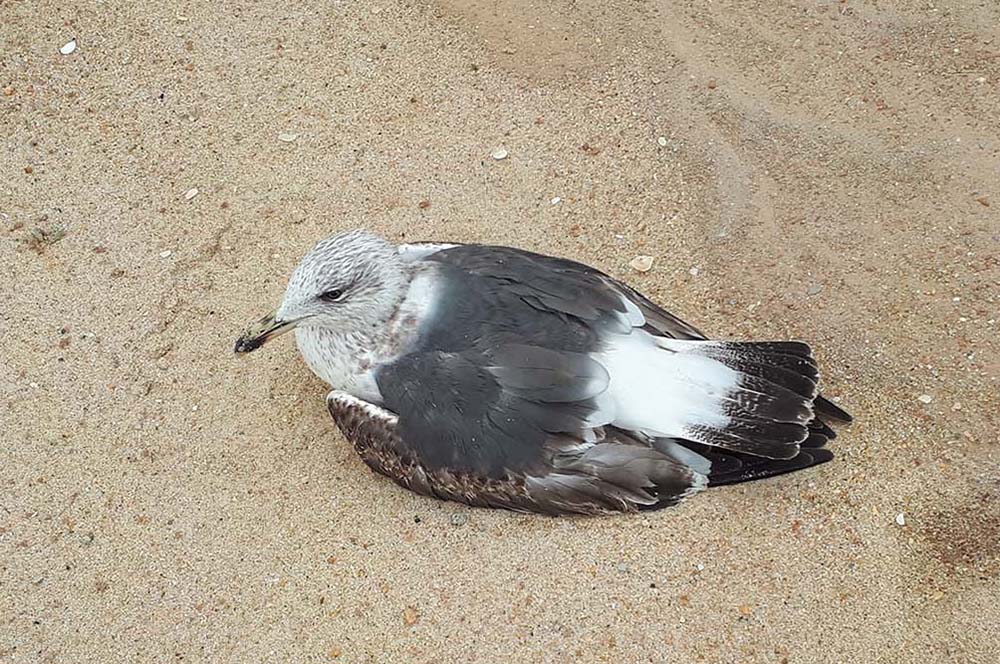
(504, 378)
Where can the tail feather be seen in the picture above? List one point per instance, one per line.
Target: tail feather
(769, 362)
(752, 398)
(819, 429)
(790, 354)
(792, 380)
(769, 400)
(774, 440)
(769, 407)
(729, 467)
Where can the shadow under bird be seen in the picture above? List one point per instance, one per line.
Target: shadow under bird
(499, 377)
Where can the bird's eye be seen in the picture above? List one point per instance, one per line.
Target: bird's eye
(334, 295)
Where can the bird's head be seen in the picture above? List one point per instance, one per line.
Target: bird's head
(346, 283)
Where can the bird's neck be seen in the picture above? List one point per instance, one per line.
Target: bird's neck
(341, 357)
(346, 356)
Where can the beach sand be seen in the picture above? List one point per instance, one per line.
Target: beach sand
(825, 171)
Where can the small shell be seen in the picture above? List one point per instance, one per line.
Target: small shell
(68, 47)
(190, 193)
(642, 263)
(499, 154)
(662, 141)
(287, 136)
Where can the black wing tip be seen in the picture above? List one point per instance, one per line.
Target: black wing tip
(826, 408)
(759, 469)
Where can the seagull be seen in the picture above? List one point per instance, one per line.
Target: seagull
(498, 377)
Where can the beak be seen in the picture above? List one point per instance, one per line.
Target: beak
(262, 331)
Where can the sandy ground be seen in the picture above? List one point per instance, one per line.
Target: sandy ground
(828, 171)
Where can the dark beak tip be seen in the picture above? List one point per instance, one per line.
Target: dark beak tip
(259, 332)
(244, 345)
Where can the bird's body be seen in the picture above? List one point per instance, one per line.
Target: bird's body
(503, 378)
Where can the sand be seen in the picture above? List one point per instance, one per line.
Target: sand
(826, 171)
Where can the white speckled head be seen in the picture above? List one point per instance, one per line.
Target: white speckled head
(350, 281)
(340, 301)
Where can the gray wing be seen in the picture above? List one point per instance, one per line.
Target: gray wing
(659, 321)
(565, 287)
(491, 412)
(524, 417)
